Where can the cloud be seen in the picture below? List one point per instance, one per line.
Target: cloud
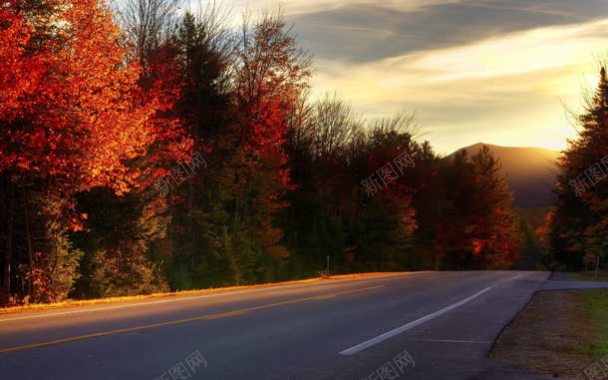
(503, 90)
(475, 70)
(370, 30)
(299, 7)
(365, 31)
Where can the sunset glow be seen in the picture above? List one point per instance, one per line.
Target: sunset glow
(465, 91)
(303, 189)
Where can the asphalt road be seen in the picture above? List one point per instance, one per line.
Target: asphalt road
(425, 325)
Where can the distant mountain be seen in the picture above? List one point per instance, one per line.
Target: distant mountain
(531, 172)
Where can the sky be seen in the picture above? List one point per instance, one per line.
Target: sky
(502, 72)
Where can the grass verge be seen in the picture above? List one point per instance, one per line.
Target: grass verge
(77, 303)
(560, 333)
(597, 305)
(602, 275)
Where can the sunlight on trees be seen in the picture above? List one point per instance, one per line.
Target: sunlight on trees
(93, 113)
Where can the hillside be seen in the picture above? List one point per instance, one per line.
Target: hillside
(530, 172)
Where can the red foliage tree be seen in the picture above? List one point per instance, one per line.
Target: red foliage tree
(72, 113)
(73, 108)
(273, 73)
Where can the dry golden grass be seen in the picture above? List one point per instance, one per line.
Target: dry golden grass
(547, 336)
(77, 303)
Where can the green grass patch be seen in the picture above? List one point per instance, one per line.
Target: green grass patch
(602, 275)
(597, 305)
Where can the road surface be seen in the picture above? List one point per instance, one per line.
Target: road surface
(424, 325)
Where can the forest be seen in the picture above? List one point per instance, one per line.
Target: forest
(149, 148)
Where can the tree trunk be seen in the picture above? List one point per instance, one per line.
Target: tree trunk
(8, 251)
(28, 240)
(192, 221)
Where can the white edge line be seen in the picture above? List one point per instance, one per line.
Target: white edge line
(389, 334)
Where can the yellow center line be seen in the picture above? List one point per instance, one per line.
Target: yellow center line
(181, 321)
(226, 315)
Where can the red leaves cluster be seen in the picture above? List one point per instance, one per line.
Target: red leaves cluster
(18, 72)
(273, 76)
(71, 108)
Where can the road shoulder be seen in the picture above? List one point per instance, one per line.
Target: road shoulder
(557, 333)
